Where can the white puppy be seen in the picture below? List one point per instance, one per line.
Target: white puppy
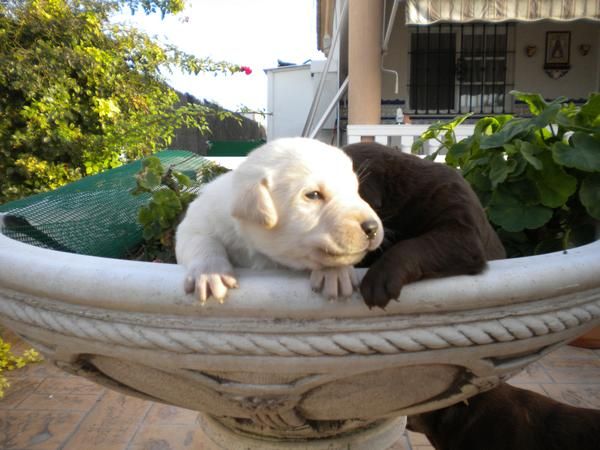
(292, 203)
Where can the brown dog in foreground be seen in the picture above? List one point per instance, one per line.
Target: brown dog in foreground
(509, 418)
(434, 223)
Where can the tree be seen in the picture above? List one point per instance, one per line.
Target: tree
(79, 95)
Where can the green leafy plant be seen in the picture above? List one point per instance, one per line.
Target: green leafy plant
(9, 361)
(79, 94)
(170, 194)
(537, 177)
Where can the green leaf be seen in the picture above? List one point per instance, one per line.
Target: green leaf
(524, 189)
(589, 113)
(517, 166)
(449, 124)
(520, 128)
(437, 129)
(583, 153)
(479, 181)
(490, 125)
(186, 198)
(547, 116)
(452, 124)
(536, 102)
(165, 197)
(513, 215)
(149, 180)
(499, 169)
(182, 179)
(486, 125)
(528, 151)
(506, 134)
(417, 145)
(145, 216)
(458, 153)
(477, 158)
(510, 149)
(434, 155)
(153, 164)
(589, 194)
(554, 185)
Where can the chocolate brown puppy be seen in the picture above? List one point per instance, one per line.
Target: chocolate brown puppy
(509, 418)
(434, 224)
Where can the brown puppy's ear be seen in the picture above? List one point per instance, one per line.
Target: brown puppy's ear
(371, 192)
(253, 203)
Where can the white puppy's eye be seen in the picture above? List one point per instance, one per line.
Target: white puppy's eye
(314, 195)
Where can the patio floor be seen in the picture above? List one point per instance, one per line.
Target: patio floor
(47, 409)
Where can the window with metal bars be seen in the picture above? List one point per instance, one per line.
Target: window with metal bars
(459, 68)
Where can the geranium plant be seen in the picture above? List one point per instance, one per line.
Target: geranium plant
(538, 177)
(170, 192)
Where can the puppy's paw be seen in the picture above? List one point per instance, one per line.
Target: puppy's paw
(380, 286)
(334, 282)
(207, 283)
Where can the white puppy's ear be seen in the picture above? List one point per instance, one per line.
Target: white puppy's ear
(253, 202)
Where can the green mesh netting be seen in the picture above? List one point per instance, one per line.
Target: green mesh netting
(96, 215)
(233, 148)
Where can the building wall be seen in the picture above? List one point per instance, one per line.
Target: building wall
(583, 78)
(289, 90)
(579, 81)
(397, 59)
(290, 95)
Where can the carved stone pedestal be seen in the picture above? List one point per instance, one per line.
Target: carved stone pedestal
(277, 366)
(380, 435)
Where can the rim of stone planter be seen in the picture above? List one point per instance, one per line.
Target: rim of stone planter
(278, 361)
(158, 287)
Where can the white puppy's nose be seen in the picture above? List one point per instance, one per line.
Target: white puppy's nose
(370, 227)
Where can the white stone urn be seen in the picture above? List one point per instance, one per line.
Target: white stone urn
(279, 367)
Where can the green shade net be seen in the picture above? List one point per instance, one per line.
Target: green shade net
(233, 148)
(96, 215)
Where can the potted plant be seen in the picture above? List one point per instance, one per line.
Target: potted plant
(537, 177)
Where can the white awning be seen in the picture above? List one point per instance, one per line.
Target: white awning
(423, 12)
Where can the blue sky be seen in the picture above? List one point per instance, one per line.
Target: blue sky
(251, 33)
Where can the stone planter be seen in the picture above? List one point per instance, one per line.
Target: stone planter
(279, 367)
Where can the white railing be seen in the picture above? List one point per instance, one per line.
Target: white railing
(401, 136)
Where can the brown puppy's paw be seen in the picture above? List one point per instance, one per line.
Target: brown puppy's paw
(381, 285)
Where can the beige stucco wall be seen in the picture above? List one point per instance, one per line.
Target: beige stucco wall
(583, 78)
(396, 59)
(579, 81)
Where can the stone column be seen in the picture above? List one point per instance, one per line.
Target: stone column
(364, 62)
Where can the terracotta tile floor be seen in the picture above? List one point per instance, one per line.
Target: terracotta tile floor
(46, 409)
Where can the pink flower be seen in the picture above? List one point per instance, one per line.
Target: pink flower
(247, 70)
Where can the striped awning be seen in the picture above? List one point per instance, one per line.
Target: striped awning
(423, 12)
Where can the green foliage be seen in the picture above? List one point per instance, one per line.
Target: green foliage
(9, 361)
(79, 95)
(537, 177)
(170, 194)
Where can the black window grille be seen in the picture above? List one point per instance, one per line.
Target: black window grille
(459, 68)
